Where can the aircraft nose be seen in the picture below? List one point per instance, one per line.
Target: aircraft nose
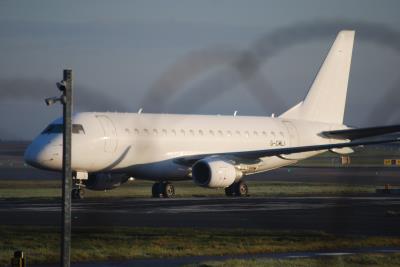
(44, 157)
(31, 155)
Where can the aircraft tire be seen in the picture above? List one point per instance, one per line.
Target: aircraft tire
(77, 193)
(241, 189)
(168, 190)
(80, 193)
(155, 190)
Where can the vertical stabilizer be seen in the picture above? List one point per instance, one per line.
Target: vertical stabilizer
(326, 99)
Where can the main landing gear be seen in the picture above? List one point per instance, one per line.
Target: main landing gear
(238, 189)
(163, 189)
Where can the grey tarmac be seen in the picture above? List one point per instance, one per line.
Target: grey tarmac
(357, 215)
(175, 262)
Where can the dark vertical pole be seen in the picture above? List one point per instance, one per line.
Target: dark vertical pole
(67, 172)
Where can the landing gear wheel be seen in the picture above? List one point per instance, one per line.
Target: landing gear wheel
(155, 190)
(163, 189)
(168, 190)
(241, 189)
(78, 193)
(229, 191)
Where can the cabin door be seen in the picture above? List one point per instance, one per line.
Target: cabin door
(110, 133)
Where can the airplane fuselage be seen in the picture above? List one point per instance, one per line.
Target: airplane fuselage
(147, 146)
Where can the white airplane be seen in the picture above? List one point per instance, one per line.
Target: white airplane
(213, 151)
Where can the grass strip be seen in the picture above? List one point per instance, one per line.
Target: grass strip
(41, 244)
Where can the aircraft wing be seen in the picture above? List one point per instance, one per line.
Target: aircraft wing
(253, 156)
(352, 134)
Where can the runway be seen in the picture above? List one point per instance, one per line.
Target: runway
(339, 215)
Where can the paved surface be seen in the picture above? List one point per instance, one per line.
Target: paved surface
(174, 262)
(339, 215)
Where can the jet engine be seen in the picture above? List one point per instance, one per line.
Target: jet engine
(105, 181)
(215, 172)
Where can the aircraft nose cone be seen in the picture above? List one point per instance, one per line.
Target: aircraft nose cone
(43, 157)
(31, 155)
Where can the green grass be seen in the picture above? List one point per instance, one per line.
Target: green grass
(41, 244)
(359, 260)
(51, 189)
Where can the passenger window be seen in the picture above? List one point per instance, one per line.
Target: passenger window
(173, 132)
(146, 132)
(255, 133)
(238, 133)
(183, 132)
(136, 131)
(201, 132)
(247, 134)
(229, 133)
(164, 132)
(211, 132)
(220, 133)
(155, 132)
(191, 132)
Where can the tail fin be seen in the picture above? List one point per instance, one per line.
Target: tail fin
(326, 99)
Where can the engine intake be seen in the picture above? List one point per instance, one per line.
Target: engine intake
(215, 173)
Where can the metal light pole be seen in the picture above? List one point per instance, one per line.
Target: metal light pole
(67, 172)
(65, 86)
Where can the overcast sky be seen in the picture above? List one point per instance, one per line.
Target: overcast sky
(210, 57)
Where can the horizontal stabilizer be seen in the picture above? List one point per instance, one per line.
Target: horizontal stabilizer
(342, 151)
(352, 134)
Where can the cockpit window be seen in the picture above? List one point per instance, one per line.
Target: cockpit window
(58, 128)
(53, 128)
(77, 129)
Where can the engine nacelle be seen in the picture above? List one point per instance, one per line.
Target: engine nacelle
(214, 173)
(105, 181)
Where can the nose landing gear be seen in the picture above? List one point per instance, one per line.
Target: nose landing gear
(78, 193)
(78, 190)
(163, 189)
